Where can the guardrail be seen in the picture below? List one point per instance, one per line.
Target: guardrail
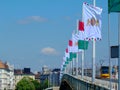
(77, 83)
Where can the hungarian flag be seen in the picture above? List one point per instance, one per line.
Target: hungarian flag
(92, 21)
(70, 46)
(82, 43)
(72, 55)
(75, 42)
(64, 66)
(66, 62)
(66, 53)
(113, 6)
(80, 26)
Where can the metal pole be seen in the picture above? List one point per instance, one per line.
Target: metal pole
(82, 64)
(119, 51)
(109, 51)
(83, 52)
(77, 53)
(77, 65)
(93, 58)
(93, 62)
(72, 66)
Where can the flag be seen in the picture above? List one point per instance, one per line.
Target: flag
(113, 6)
(92, 21)
(66, 53)
(66, 50)
(81, 26)
(82, 44)
(66, 62)
(75, 42)
(70, 46)
(70, 42)
(81, 33)
(72, 55)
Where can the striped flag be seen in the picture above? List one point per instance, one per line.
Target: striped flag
(92, 21)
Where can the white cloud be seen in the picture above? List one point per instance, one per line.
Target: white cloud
(31, 19)
(49, 51)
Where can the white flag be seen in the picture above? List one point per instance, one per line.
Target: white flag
(67, 53)
(92, 21)
(75, 43)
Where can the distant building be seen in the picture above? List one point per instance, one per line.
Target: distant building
(55, 77)
(37, 76)
(45, 70)
(19, 74)
(44, 77)
(6, 76)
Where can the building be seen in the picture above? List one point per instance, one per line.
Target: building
(6, 76)
(44, 77)
(55, 77)
(37, 76)
(45, 70)
(19, 74)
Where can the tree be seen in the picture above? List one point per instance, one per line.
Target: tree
(25, 84)
(44, 85)
(36, 84)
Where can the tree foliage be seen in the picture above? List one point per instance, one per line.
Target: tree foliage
(25, 84)
(44, 84)
(36, 84)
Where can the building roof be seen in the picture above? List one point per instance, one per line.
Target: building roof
(17, 71)
(22, 72)
(3, 65)
(56, 70)
(37, 76)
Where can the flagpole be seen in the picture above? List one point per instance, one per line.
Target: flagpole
(73, 63)
(109, 51)
(119, 51)
(93, 57)
(77, 65)
(82, 62)
(93, 62)
(71, 67)
(77, 54)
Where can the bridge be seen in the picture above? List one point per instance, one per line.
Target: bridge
(72, 82)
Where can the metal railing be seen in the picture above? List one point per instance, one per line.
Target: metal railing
(86, 84)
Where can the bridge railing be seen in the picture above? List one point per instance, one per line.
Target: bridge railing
(85, 84)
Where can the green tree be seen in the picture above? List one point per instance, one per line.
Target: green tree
(44, 85)
(25, 84)
(36, 84)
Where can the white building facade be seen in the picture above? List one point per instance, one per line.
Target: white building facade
(6, 76)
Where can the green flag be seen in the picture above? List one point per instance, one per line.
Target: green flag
(113, 6)
(64, 65)
(72, 55)
(82, 44)
(66, 62)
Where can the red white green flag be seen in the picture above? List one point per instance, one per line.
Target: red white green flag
(82, 42)
(66, 53)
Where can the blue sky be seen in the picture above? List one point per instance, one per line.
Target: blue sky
(34, 33)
